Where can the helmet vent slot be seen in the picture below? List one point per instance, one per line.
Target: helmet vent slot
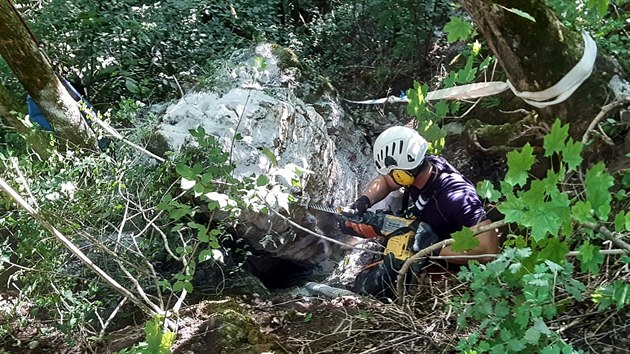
(401, 147)
(410, 158)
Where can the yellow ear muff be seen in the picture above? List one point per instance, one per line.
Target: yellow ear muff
(403, 178)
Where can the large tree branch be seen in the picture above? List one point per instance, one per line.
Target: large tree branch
(36, 75)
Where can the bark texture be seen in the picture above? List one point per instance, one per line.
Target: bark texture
(536, 55)
(36, 75)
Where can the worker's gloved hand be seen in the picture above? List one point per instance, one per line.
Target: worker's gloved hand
(361, 205)
(424, 238)
(358, 229)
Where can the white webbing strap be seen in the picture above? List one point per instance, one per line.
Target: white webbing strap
(550, 96)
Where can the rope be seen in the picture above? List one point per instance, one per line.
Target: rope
(555, 94)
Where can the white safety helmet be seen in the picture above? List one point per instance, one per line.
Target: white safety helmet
(399, 148)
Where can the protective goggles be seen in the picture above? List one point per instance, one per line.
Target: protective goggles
(402, 177)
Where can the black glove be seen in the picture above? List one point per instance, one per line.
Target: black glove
(361, 205)
(424, 238)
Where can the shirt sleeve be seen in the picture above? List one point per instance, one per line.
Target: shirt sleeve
(464, 205)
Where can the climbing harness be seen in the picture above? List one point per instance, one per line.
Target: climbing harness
(541, 99)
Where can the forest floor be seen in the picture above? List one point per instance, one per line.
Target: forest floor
(289, 323)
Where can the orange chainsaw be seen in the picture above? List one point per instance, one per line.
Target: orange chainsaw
(399, 232)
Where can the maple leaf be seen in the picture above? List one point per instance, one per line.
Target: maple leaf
(582, 212)
(554, 251)
(597, 183)
(590, 258)
(519, 164)
(512, 208)
(571, 154)
(486, 190)
(464, 240)
(456, 29)
(554, 141)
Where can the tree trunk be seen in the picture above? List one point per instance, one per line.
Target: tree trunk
(36, 75)
(536, 55)
(9, 111)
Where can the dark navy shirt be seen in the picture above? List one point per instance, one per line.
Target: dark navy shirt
(448, 202)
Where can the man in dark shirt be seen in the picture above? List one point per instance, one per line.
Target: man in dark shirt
(436, 193)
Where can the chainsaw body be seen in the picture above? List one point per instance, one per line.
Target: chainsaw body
(400, 232)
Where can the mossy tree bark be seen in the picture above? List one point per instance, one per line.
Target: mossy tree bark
(536, 55)
(36, 75)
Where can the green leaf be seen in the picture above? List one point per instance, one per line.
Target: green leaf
(532, 335)
(178, 286)
(153, 333)
(554, 141)
(600, 5)
(198, 188)
(417, 99)
(622, 221)
(598, 183)
(441, 108)
(575, 288)
(457, 28)
(308, 317)
(468, 72)
(185, 171)
(521, 317)
(516, 345)
(518, 12)
(270, 155)
(200, 132)
(188, 286)
(486, 190)
(519, 164)
(554, 251)
(571, 154)
(131, 85)
(197, 168)
(582, 211)
(262, 180)
(621, 294)
(590, 258)
(204, 255)
(512, 208)
(464, 240)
